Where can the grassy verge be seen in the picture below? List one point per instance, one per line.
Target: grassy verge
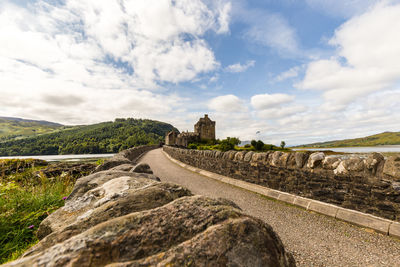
(27, 198)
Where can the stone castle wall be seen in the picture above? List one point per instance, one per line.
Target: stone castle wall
(370, 185)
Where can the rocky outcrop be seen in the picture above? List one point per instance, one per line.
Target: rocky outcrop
(367, 184)
(125, 218)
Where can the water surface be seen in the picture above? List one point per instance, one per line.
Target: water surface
(62, 157)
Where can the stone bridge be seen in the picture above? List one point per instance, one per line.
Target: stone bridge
(122, 215)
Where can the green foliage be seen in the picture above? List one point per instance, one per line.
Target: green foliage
(106, 137)
(192, 146)
(386, 138)
(25, 200)
(11, 128)
(229, 143)
(283, 144)
(257, 145)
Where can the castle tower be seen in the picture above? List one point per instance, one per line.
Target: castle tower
(205, 128)
(170, 138)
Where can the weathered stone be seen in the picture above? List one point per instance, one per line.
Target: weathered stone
(340, 169)
(392, 167)
(291, 161)
(231, 155)
(86, 194)
(374, 161)
(315, 159)
(361, 190)
(301, 158)
(248, 156)
(330, 162)
(190, 230)
(240, 155)
(258, 157)
(283, 159)
(123, 167)
(143, 168)
(275, 158)
(124, 157)
(353, 164)
(131, 200)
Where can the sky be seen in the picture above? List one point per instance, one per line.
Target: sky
(298, 71)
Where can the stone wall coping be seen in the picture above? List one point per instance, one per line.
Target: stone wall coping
(378, 224)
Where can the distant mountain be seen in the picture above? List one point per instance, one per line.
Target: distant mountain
(386, 138)
(17, 128)
(105, 137)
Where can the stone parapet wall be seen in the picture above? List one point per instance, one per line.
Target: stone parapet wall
(127, 156)
(370, 185)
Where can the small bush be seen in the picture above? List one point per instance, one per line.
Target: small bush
(192, 146)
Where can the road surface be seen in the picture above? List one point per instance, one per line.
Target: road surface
(313, 239)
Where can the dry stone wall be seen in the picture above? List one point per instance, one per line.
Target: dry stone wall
(370, 184)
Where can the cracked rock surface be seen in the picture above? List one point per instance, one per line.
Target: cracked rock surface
(122, 218)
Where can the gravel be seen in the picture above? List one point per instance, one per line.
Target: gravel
(313, 239)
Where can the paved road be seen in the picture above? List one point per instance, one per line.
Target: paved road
(313, 239)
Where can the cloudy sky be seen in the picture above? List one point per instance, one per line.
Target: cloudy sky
(294, 70)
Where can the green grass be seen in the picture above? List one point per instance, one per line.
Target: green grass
(25, 200)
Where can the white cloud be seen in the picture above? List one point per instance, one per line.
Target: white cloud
(291, 73)
(239, 67)
(367, 60)
(226, 103)
(100, 58)
(266, 101)
(280, 112)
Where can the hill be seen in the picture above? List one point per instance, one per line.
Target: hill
(106, 137)
(17, 128)
(386, 138)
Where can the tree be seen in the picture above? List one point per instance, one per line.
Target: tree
(283, 144)
(229, 143)
(258, 145)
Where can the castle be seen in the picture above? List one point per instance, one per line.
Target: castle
(204, 129)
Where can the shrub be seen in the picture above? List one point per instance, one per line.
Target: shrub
(192, 146)
(229, 143)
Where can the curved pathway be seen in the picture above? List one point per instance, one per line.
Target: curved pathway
(313, 239)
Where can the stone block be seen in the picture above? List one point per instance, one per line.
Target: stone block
(302, 202)
(392, 167)
(273, 194)
(288, 198)
(394, 229)
(323, 208)
(315, 159)
(363, 219)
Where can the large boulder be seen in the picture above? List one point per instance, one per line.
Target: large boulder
(301, 158)
(116, 218)
(392, 167)
(330, 162)
(315, 159)
(374, 162)
(142, 168)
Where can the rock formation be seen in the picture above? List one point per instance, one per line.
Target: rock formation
(117, 217)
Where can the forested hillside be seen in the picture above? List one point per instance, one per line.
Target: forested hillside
(386, 138)
(106, 137)
(16, 128)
